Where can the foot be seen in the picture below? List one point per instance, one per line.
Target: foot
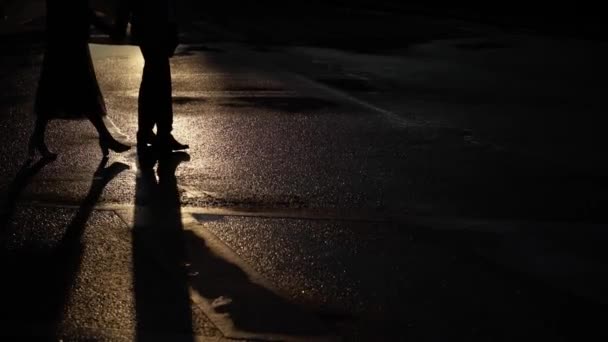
(169, 144)
(109, 143)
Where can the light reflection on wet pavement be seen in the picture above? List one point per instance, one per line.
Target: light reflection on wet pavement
(272, 145)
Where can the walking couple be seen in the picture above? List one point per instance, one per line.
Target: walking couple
(68, 87)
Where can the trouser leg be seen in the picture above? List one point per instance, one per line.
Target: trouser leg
(155, 103)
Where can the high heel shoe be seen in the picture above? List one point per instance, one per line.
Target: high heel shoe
(107, 144)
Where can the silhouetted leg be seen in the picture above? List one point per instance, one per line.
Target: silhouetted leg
(122, 19)
(106, 140)
(164, 118)
(37, 139)
(151, 92)
(37, 134)
(100, 126)
(162, 298)
(155, 92)
(156, 99)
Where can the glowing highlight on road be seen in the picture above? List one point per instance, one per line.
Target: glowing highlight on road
(130, 53)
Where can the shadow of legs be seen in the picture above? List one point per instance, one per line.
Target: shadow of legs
(21, 181)
(38, 277)
(250, 306)
(162, 298)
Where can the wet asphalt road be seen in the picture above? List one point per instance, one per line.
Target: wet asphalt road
(287, 146)
(330, 131)
(332, 201)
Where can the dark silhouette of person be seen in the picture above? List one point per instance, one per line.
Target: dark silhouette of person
(49, 271)
(22, 179)
(154, 29)
(170, 260)
(162, 298)
(68, 88)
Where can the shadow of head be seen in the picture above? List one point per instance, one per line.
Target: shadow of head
(251, 306)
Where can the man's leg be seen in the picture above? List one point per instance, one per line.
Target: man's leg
(123, 13)
(157, 99)
(149, 96)
(164, 114)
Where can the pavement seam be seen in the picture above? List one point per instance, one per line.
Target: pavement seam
(301, 214)
(220, 320)
(350, 215)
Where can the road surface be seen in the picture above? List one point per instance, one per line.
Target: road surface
(455, 190)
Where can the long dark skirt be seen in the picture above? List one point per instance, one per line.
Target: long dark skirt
(68, 88)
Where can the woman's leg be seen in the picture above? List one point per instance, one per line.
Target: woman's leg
(100, 126)
(37, 139)
(106, 140)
